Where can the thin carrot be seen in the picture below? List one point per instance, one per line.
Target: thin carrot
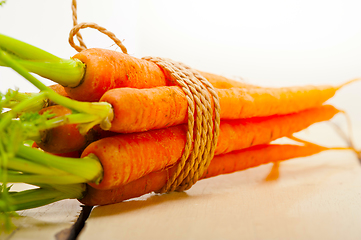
(143, 109)
(221, 164)
(128, 157)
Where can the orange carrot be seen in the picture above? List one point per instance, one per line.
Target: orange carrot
(143, 109)
(269, 101)
(106, 69)
(130, 156)
(221, 164)
(66, 138)
(61, 139)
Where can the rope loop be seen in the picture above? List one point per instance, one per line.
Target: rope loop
(75, 30)
(203, 124)
(76, 27)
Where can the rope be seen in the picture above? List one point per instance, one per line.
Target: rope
(76, 27)
(203, 121)
(75, 22)
(203, 132)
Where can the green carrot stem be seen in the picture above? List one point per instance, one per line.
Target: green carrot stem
(33, 195)
(42, 179)
(8, 116)
(4, 57)
(27, 166)
(102, 110)
(15, 97)
(24, 50)
(42, 196)
(67, 72)
(35, 204)
(64, 71)
(88, 168)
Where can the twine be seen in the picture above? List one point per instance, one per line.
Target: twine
(203, 132)
(203, 121)
(76, 28)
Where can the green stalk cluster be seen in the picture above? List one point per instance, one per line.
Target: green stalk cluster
(54, 177)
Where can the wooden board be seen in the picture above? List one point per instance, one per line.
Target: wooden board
(48, 222)
(313, 198)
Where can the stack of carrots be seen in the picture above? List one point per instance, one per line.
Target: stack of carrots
(114, 127)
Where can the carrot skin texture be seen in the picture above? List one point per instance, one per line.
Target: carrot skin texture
(128, 157)
(106, 69)
(270, 101)
(139, 110)
(221, 164)
(243, 133)
(148, 151)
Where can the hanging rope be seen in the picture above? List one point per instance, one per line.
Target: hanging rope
(76, 27)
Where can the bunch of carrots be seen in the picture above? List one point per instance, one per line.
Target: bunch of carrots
(113, 127)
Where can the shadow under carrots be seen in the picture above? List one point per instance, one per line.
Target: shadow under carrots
(137, 203)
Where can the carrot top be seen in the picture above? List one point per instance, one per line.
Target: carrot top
(85, 114)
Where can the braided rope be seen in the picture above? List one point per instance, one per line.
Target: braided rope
(202, 134)
(76, 27)
(75, 22)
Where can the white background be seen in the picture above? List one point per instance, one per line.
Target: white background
(270, 43)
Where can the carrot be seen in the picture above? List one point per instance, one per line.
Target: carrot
(61, 139)
(67, 138)
(270, 101)
(128, 157)
(106, 69)
(221, 164)
(143, 109)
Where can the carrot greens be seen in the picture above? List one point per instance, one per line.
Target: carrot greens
(86, 114)
(68, 72)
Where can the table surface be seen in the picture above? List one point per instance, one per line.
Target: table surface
(317, 197)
